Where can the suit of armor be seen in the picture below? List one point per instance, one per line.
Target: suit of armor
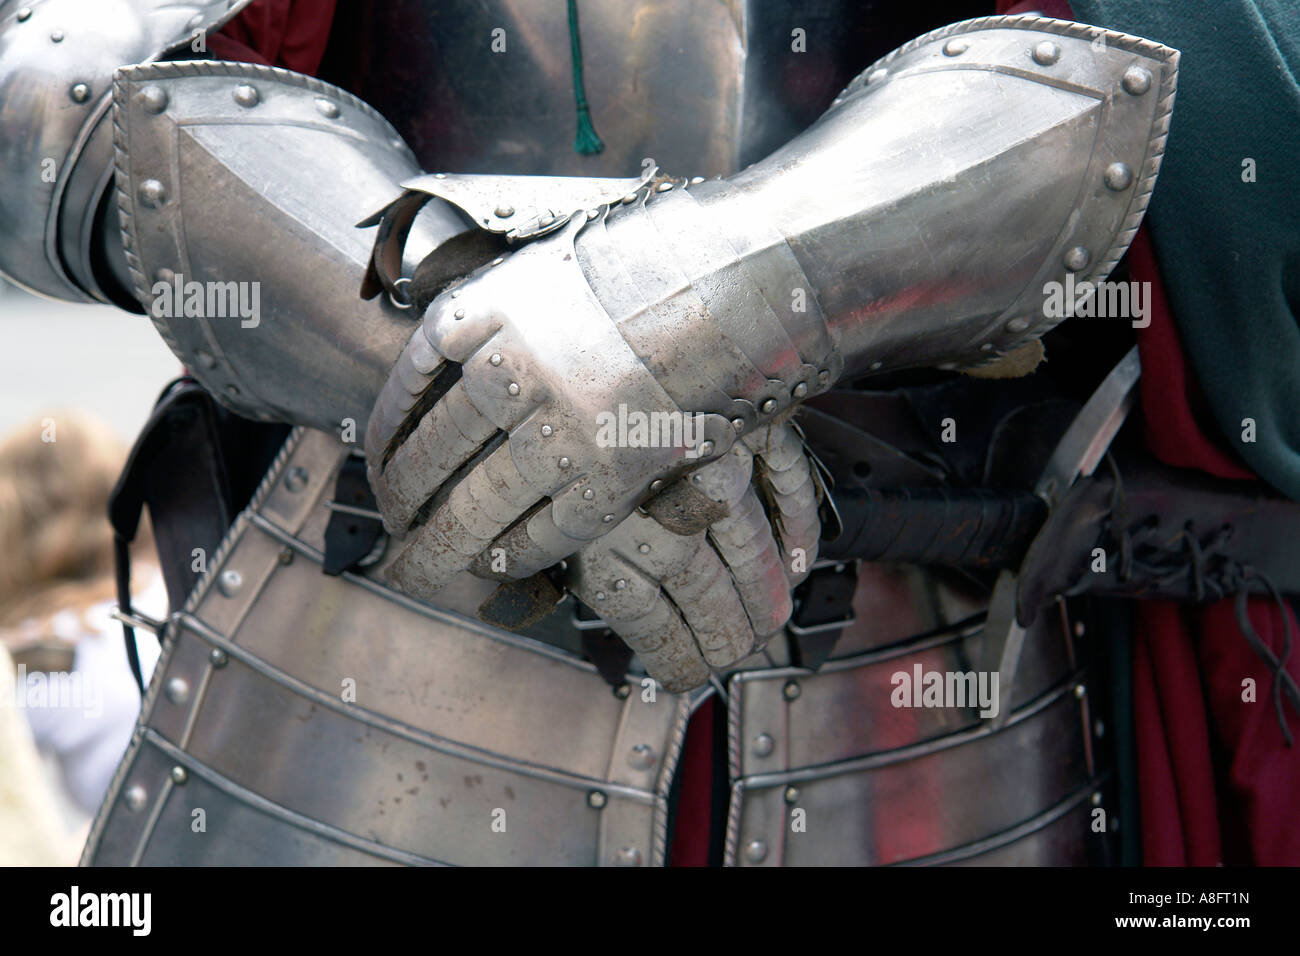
(437, 695)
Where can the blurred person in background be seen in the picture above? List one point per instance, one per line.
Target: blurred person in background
(69, 687)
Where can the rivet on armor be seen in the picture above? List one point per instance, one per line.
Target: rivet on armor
(877, 366)
(196, 21)
(459, 314)
(1046, 53)
(1096, 799)
(755, 851)
(246, 95)
(56, 36)
(629, 198)
(628, 856)
(564, 462)
(791, 794)
(135, 797)
(439, 175)
(623, 691)
(217, 657)
(738, 424)
(1136, 80)
(601, 595)
(24, 14)
(496, 358)
(588, 495)
(296, 479)
(620, 584)
(179, 775)
(1018, 324)
(656, 484)
(696, 180)
(986, 347)
(642, 757)
(229, 582)
(593, 213)
(644, 548)
(232, 390)
(663, 187)
(791, 690)
(165, 275)
(154, 99)
(1077, 259)
(505, 212)
(327, 108)
(607, 519)
(955, 47)
(706, 448)
(824, 376)
(1080, 691)
(769, 406)
(596, 799)
(497, 261)
(80, 92)
(547, 431)
(764, 745)
(800, 390)
(513, 388)
(1118, 176)
(177, 690)
(205, 359)
(286, 556)
(152, 193)
(876, 76)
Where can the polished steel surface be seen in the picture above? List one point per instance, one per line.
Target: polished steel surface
(702, 86)
(689, 603)
(931, 799)
(57, 59)
(243, 177)
(914, 224)
(343, 723)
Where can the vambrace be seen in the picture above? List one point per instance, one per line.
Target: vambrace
(916, 224)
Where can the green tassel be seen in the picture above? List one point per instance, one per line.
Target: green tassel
(586, 142)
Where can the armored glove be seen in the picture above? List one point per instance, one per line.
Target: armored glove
(686, 602)
(917, 223)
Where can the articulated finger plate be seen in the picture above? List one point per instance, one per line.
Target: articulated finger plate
(690, 603)
(586, 428)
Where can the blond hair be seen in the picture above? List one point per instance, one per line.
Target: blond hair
(56, 474)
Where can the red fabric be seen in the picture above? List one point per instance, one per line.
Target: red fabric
(1189, 662)
(695, 800)
(1261, 776)
(1180, 824)
(286, 33)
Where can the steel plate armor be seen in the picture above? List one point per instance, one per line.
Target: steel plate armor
(513, 289)
(376, 729)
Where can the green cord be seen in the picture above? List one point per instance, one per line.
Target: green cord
(586, 142)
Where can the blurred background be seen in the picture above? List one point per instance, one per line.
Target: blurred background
(67, 699)
(90, 357)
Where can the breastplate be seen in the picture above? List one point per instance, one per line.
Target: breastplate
(704, 87)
